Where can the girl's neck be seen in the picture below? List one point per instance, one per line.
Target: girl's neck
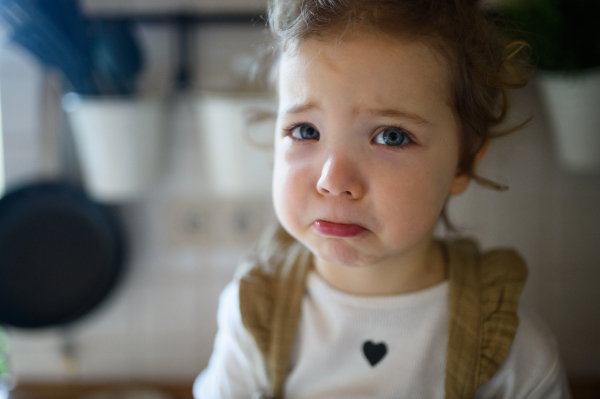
(421, 268)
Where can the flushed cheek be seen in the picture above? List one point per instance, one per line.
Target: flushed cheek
(408, 212)
(291, 194)
(411, 205)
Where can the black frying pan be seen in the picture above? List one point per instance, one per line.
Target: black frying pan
(60, 255)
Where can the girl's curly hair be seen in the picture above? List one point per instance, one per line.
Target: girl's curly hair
(483, 65)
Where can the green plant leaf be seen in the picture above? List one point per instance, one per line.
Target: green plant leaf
(563, 34)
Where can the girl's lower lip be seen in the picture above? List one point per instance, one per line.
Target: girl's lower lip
(337, 229)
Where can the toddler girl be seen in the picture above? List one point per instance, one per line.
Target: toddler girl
(385, 109)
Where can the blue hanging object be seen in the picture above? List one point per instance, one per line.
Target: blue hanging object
(96, 56)
(30, 27)
(116, 56)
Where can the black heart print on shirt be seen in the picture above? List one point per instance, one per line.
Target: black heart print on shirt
(374, 352)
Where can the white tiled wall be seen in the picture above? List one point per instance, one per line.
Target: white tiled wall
(553, 218)
(22, 92)
(160, 322)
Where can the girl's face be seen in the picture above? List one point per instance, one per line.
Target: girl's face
(366, 148)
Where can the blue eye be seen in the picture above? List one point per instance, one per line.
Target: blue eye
(305, 132)
(392, 137)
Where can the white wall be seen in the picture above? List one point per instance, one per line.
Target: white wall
(160, 322)
(553, 219)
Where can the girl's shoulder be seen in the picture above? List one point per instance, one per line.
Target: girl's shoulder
(533, 368)
(235, 356)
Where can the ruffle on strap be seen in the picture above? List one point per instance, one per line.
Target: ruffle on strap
(484, 297)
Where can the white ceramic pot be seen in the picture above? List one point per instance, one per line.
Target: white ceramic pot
(120, 143)
(238, 151)
(573, 107)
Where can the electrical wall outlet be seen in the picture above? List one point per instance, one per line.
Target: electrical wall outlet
(242, 221)
(220, 222)
(191, 223)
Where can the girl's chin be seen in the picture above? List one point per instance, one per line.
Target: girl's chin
(342, 253)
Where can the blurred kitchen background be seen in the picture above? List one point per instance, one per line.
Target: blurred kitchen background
(186, 230)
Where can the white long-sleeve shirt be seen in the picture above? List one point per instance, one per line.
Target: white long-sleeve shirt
(351, 347)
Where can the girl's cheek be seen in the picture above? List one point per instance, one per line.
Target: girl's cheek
(288, 176)
(294, 153)
(290, 193)
(294, 172)
(286, 163)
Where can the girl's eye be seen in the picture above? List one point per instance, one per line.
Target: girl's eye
(305, 132)
(392, 137)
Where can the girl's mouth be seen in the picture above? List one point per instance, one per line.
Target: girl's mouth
(337, 229)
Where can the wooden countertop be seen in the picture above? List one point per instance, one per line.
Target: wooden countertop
(582, 388)
(75, 390)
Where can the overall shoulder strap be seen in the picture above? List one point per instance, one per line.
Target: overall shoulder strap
(484, 296)
(270, 305)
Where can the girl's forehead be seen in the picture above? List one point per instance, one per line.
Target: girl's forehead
(368, 39)
(369, 67)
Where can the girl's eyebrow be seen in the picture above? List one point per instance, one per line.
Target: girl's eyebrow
(299, 108)
(390, 113)
(394, 113)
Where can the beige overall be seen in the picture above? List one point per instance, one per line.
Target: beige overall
(484, 294)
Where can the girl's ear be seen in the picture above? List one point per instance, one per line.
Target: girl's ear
(461, 180)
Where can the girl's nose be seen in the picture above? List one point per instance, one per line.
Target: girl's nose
(339, 177)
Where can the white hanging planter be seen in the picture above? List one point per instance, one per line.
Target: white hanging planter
(573, 107)
(238, 152)
(120, 143)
